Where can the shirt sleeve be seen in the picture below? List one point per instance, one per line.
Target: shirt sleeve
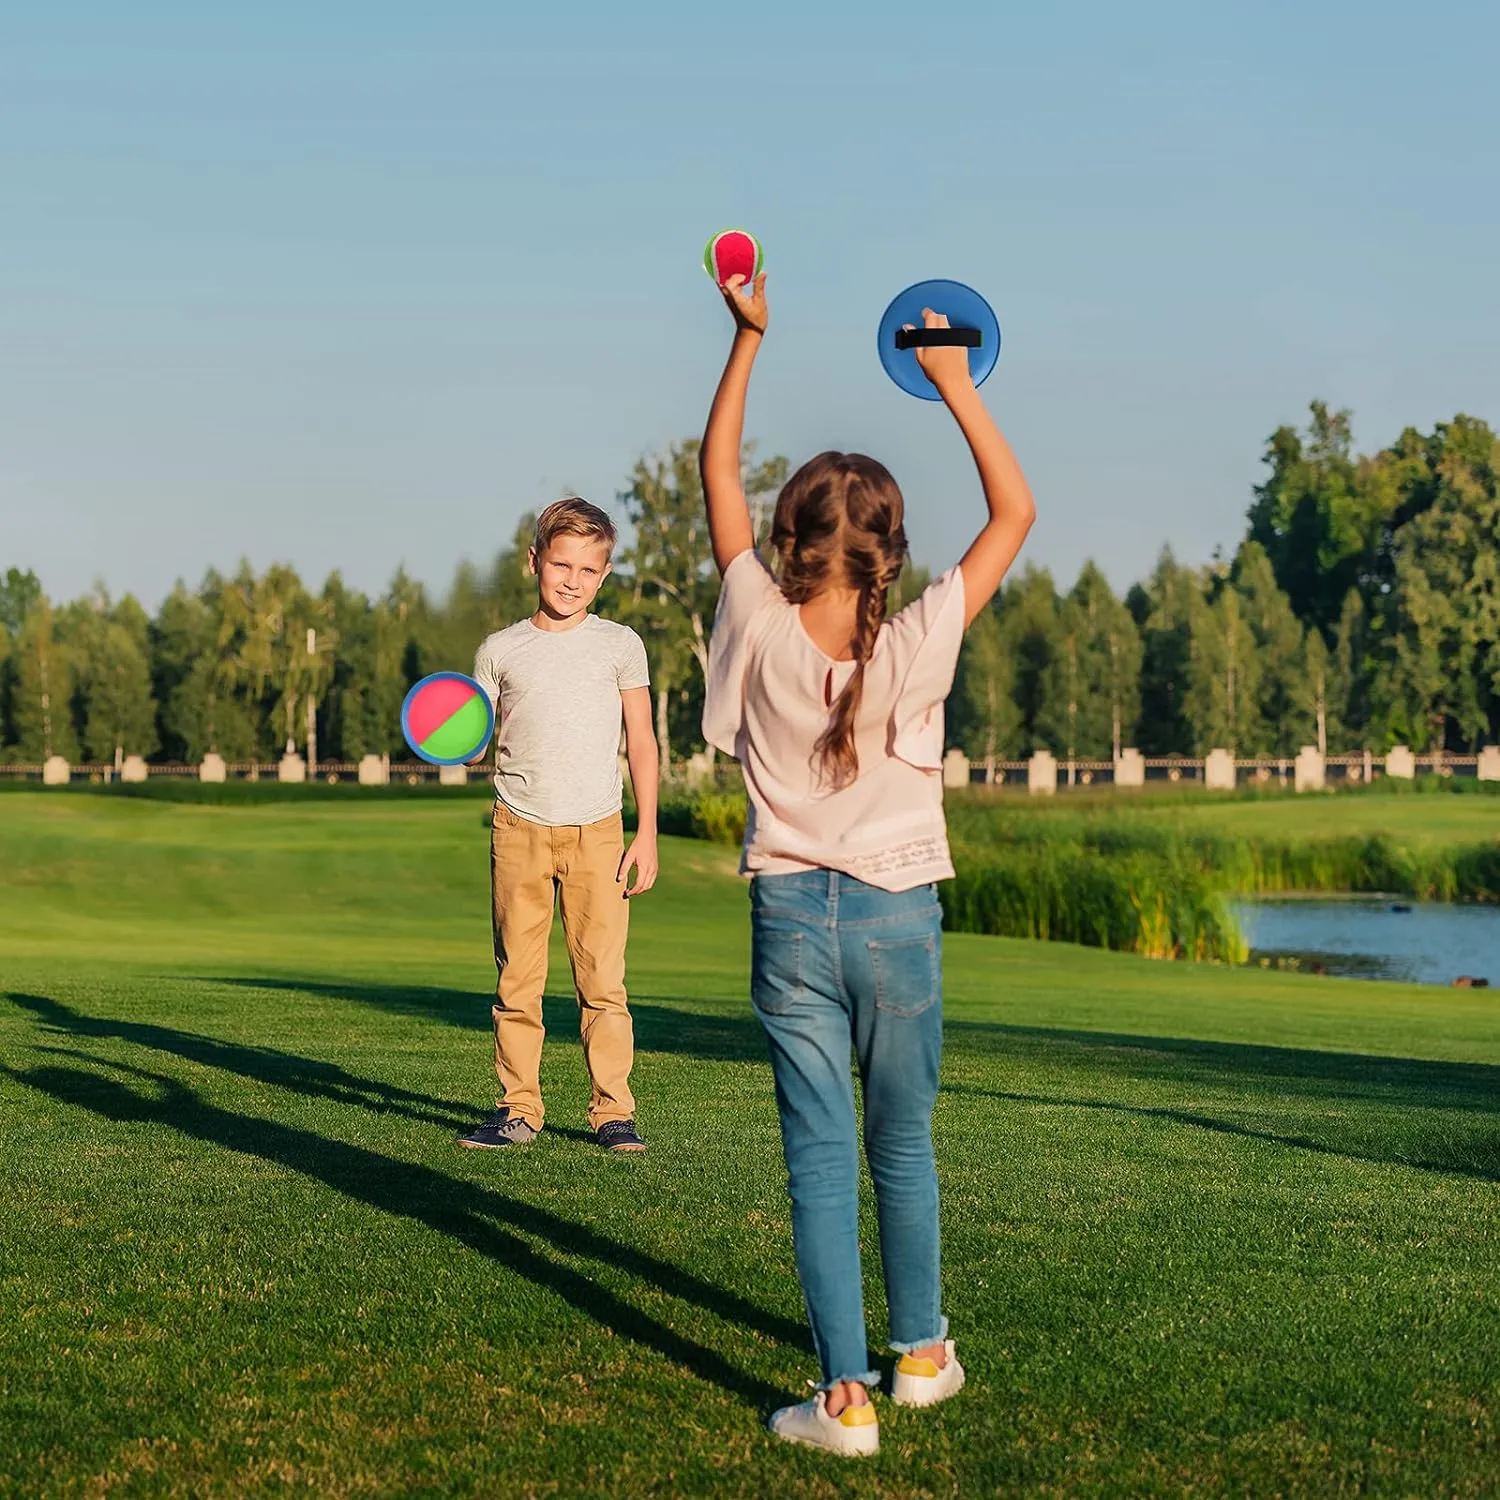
(748, 591)
(927, 634)
(487, 674)
(631, 668)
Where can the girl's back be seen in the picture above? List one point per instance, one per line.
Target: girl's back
(771, 690)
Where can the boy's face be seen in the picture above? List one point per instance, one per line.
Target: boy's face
(569, 573)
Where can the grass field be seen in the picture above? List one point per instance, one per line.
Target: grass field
(1206, 1230)
(1438, 818)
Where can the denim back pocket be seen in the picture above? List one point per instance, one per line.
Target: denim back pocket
(776, 982)
(908, 975)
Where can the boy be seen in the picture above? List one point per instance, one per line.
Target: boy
(561, 682)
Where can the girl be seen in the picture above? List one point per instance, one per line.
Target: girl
(835, 715)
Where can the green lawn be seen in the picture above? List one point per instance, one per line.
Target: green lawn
(1419, 819)
(1207, 1231)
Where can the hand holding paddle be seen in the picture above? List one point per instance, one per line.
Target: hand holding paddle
(945, 365)
(747, 301)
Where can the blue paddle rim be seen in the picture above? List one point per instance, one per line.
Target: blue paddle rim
(456, 760)
(964, 308)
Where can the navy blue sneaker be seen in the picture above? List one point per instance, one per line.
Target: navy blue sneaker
(499, 1130)
(619, 1135)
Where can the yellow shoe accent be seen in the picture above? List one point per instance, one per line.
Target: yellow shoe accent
(858, 1416)
(910, 1365)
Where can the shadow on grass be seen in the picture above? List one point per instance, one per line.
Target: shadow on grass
(658, 1027)
(1367, 1077)
(737, 1037)
(1483, 1162)
(479, 1217)
(301, 1075)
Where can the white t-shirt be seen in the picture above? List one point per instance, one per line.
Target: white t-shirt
(766, 706)
(556, 695)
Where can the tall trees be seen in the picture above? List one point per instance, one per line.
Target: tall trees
(1438, 628)
(1029, 623)
(1318, 523)
(1162, 609)
(114, 671)
(1282, 726)
(985, 719)
(41, 707)
(1222, 700)
(1362, 609)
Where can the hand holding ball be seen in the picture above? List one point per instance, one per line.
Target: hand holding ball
(733, 258)
(732, 252)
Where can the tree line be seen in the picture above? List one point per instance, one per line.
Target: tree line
(1360, 610)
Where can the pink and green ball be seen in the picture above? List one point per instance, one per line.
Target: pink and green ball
(733, 252)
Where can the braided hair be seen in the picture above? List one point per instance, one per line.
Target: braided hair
(838, 523)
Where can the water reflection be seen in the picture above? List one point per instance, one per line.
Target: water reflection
(1425, 943)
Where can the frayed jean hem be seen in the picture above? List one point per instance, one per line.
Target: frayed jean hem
(870, 1379)
(937, 1338)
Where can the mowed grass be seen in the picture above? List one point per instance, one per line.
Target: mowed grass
(1414, 819)
(1206, 1231)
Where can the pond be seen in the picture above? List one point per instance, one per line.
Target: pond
(1427, 943)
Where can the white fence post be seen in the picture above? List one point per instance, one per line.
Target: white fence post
(1130, 769)
(1041, 774)
(1400, 763)
(374, 770)
(1218, 771)
(1310, 771)
(955, 769)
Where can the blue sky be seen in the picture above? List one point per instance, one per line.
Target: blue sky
(354, 285)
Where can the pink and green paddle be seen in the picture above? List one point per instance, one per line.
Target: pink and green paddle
(447, 719)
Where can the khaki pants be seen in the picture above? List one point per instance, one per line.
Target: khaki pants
(529, 862)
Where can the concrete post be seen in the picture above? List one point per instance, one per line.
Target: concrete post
(955, 769)
(56, 771)
(1400, 763)
(213, 768)
(291, 768)
(133, 768)
(1218, 771)
(1130, 769)
(1310, 770)
(1489, 763)
(1041, 774)
(453, 776)
(374, 771)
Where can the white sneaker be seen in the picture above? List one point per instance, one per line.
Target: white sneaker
(923, 1382)
(854, 1433)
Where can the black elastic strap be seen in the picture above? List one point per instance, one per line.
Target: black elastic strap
(938, 338)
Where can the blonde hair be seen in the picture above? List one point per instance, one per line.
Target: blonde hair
(573, 516)
(839, 522)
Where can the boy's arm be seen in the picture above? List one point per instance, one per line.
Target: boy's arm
(487, 675)
(729, 525)
(645, 766)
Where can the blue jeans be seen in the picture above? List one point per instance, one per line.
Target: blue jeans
(838, 965)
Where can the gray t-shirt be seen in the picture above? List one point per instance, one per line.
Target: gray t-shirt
(557, 716)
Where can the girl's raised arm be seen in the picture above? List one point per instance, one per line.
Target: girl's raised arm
(1006, 492)
(729, 525)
